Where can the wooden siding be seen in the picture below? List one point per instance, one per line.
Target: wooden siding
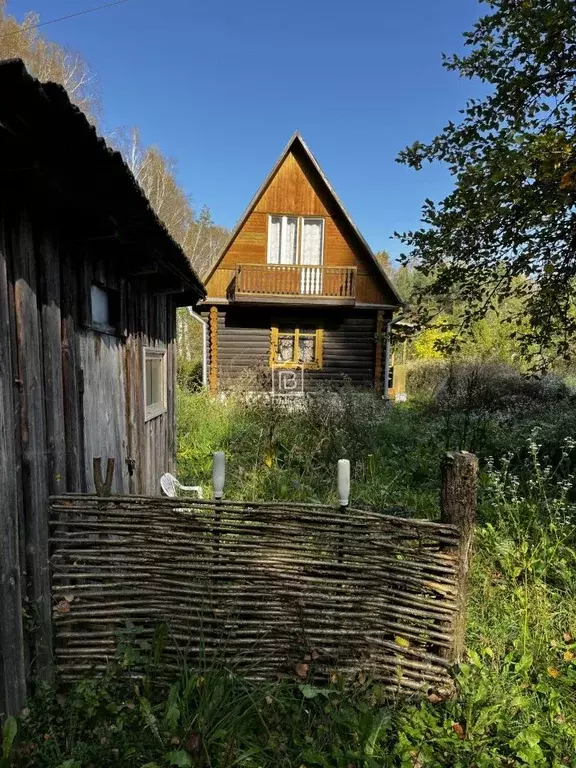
(79, 392)
(296, 190)
(68, 393)
(244, 347)
(12, 658)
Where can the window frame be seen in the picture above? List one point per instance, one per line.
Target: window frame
(275, 334)
(160, 407)
(114, 310)
(299, 237)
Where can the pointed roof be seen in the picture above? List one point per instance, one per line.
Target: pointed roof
(296, 140)
(58, 139)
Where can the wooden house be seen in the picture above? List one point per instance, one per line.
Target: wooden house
(297, 288)
(89, 284)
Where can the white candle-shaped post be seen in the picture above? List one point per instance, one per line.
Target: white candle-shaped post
(343, 482)
(219, 474)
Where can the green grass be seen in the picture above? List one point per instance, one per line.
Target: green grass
(517, 689)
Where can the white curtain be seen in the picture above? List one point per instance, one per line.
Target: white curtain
(289, 251)
(312, 241)
(311, 256)
(274, 239)
(283, 240)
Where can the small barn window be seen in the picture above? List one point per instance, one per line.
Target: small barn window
(105, 309)
(296, 346)
(154, 382)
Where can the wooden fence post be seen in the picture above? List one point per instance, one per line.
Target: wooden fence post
(458, 504)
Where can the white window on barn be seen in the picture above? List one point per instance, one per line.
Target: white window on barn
(283, 240)
(154, 382)
(104, 308)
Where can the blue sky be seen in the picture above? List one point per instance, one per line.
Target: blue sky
(221, 85)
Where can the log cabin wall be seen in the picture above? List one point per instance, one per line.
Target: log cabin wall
(244, 343)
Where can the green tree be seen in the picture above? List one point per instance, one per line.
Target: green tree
(508, 228)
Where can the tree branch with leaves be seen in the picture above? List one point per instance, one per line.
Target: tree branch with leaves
(508, 228)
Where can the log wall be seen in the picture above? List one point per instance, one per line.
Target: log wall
(349, 352)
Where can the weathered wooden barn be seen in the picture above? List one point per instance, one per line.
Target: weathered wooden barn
(89, 284)
(297, 288)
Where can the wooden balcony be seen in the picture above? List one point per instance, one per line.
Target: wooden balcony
(294, 283)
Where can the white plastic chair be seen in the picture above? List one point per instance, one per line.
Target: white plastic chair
(171, 486)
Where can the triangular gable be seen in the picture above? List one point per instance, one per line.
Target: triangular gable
(298, 144)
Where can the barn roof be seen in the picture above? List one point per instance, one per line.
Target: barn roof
(62, 145)
(296, 140)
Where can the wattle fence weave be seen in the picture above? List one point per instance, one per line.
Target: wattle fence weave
(275, 589)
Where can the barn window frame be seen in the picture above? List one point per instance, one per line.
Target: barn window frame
(110, 325)
(297, 330)
(159, 405)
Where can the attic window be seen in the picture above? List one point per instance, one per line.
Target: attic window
(105, 309)
(295, 240)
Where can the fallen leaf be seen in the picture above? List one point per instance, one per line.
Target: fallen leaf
(62, 607)
(268, 459)
(192, 744)
(567, 637)
(315, 655)
(433, 698)
(302, 670)
(307, 658)
(402, 641)
(458, 730)
(70, 598)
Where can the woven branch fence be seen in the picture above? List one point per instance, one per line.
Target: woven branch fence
(275, 589)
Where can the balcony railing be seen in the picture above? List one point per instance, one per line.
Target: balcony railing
(295, 282)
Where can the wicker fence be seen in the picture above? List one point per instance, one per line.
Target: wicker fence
(276, 589)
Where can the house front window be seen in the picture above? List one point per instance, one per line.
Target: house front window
(154, 382)
(295, 240)
(295, 346)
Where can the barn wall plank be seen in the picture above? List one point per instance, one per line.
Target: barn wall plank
(12, 657)
(72, 379)
(102, 360)
(49, 284)
(34, 458)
